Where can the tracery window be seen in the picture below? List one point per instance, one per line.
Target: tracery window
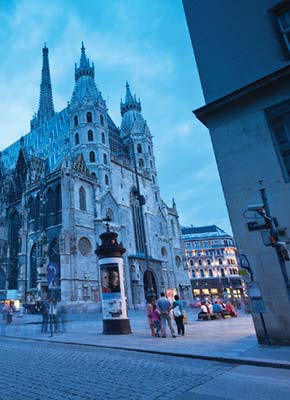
(82, 199)
(33, 267)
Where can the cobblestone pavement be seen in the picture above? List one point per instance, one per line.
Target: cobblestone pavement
(34, 370)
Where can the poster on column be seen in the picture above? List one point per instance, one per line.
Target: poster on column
(113, 306)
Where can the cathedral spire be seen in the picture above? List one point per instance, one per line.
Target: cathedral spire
(46, 108)
(128, 97)
(85, 69)
(130, 103)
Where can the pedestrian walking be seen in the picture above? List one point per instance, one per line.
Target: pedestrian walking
(52, 315)
(4, 312)
(44, 306)
(150, 310)
(62, 316)
(164, 307)
(9, 314)
(178, 315)
(156, 320)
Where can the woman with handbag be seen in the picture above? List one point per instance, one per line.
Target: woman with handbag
(178, 315)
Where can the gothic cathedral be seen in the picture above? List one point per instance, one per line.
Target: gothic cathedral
(61, 180)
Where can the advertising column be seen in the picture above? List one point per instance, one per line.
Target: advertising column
(114, 308)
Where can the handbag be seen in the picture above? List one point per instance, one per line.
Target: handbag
(176, 311)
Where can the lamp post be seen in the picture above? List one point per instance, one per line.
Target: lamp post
(141, 199)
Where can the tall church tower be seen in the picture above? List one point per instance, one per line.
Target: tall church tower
(46, 107)
(88, 122)
(138, 139)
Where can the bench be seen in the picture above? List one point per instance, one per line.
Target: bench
(207, 317)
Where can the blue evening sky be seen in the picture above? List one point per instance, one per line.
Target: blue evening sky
(144, 42)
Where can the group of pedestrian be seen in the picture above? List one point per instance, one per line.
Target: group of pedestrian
(54, 316)
(159, 316)
(218, 307)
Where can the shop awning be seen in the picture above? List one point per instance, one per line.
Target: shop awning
(12, 294)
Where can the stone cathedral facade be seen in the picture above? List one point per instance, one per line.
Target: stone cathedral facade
(57, 184)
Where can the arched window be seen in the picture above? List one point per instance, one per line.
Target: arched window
(172, 228)
(178, 261)
(101, 120)
(191, 263)
(139, 148)
(220, 261)
(210, 272)
(94, 175)
(153, 180)
(202, 273)
(77, 139)
(105, 159)
(90, 136)
(106, 180)
(208, 261)
(149, 150)
(50, 201)
(2, 280)
(103, 138)
(223, 272)
(58, 204)
(156, 196)
(163, 251)
(76, 122)
(92, 157)
(199, 262)
(230, 271)
(141, 163)
(33, 268)
(151, 164)
(82, 199)
(193, 273)
(89, 117)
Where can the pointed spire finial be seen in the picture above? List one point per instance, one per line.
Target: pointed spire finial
(130, 102)
(173, 203)
(84, 68)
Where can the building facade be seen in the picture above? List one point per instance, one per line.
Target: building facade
(57, 184)
(245, 78)
(211, 257)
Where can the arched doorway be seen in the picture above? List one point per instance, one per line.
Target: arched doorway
(146, 281)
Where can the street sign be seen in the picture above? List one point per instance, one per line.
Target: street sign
(53, 276)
